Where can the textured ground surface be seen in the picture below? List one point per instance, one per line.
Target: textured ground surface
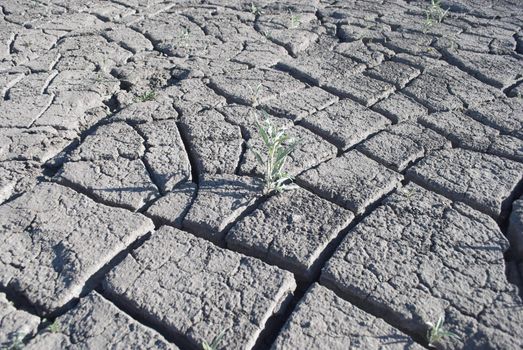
(131, 205)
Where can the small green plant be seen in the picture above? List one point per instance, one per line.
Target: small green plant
(255, 93)
(267, 34)
(278, 146)
(255, 10)
(434, 14)
(295, 20)
(185, 34)
(437, 332)
(147, 96)
(54, 327)
(215, 343)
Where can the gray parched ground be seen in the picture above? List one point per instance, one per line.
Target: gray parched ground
(132, 214)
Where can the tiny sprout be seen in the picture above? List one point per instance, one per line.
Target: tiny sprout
(215, 343)
(147, 96)
(437, 332)
(255, 10)
(434, 14)
(54, 327)
(295, 20)
(255, 93)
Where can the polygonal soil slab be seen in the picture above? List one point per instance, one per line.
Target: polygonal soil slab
(445, 88)
(402, 144)
(254, 86)
(95, 323)
(165, 157)
(498, 70)
(345, 123)
(171, 208)
(36, 144)
(466, 132)
(17, 177)
(364, 29)
(30, 86)
(215, 144)
(505, 115)
(89, 53)
(73, 110)
(169, 31)
(322, 320)
(220, 200)
(21, 114)
(128, 38)
(108, 165)
(333, 70)
(369, 53)
(485, 182)
(362, 88)
(142, 112)
(294, 31)
(468, 43)
(55, 239)
(260, 54)
(226, 24)
(396, 73)
(399, 108)
(15, 324)
(191, 96)
(196, 67)
(419, 257)
(463, 131)
(352, 180)
(300, 104)
(103, 84)
(145, 71)
(176, 35)
(195, 290)
(124, 183)
(339, 75)
(290, 230)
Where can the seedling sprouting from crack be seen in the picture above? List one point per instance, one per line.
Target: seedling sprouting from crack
(267, 35)
(54, 327)
(147, 96)
(278, 147)
(255, 10)
(255, 93)
(215, 343)
(185, 36)
(434, 14)
(437, 332)
(295, 20)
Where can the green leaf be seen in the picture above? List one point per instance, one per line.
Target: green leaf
(217, 340)
(215, 343)
(263, 134)
(278, 147)
(258, 156)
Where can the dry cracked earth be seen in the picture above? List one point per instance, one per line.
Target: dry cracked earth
(132, 215)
